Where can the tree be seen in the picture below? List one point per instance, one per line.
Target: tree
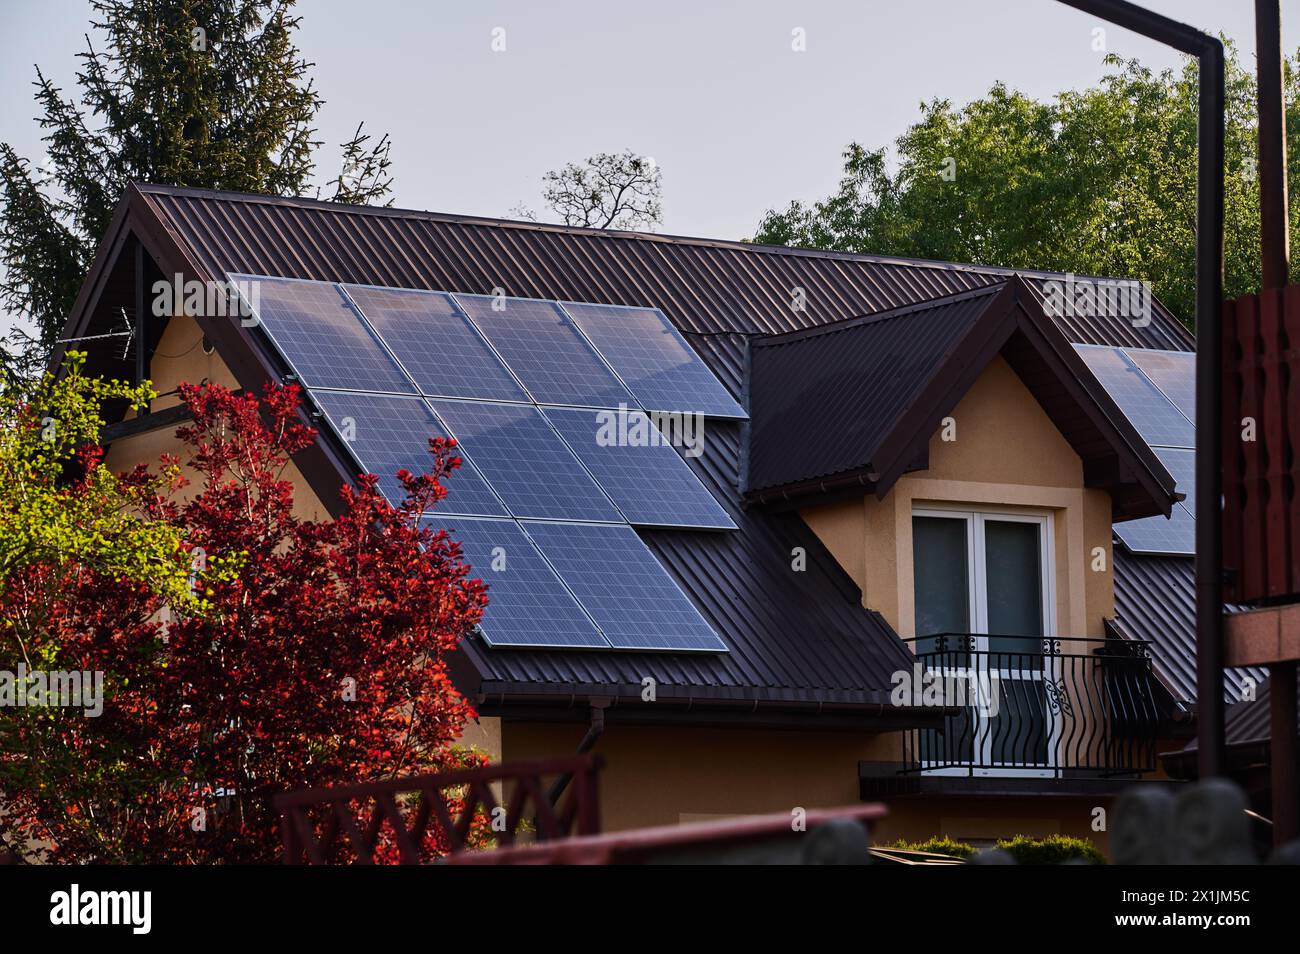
(65, 519)
(204, 93)
(605, 191)
(318, 656)
(1099, 181)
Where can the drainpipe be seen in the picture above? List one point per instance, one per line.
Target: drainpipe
(1211, 751)
(594, 731)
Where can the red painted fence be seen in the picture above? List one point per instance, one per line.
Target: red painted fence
(1261, 437)
(413, 820)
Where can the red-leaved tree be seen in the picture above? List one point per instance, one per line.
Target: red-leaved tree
(319, 655)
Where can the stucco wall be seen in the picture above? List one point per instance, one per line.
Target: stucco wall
(657, 775)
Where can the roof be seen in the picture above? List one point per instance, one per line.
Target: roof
(802, 641)
(1247, 731)
(1155, 600)
(855, 403)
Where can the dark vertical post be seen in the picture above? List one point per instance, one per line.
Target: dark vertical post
(141, 320)
(1275, 255)
(1275, 233)
(1211, 750)
(1282, 751)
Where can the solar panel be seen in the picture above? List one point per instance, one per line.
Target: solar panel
(1181, 463)
(388, 434)
(525, 460)
(644, 475)
(1173, 372)
(653, 359)
(545, 351)
(1156, 535)
(1156, 419)
(436, 343)
(321, 335)
(624, 587)
(527, 603)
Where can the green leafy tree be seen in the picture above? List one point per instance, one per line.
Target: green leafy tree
(204, 93)
(1099, 181)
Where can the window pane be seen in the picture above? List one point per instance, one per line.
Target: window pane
(942, 583)
(1014, 580)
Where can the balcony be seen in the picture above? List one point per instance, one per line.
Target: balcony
(1026, 707)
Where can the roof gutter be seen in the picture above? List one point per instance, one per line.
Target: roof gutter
(1208, 50)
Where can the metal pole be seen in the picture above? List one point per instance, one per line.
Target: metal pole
(1211, 749)
(1209, 386)
(1275, 233)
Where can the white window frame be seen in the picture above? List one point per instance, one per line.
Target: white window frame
(975, 518)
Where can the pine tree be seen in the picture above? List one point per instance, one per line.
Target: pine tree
(204, 93)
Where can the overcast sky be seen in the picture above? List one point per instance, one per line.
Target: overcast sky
(737, 120)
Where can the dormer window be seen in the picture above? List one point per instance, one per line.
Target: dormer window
(984, 588)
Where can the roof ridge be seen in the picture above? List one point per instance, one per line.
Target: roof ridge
(628, 235)
(859, 321)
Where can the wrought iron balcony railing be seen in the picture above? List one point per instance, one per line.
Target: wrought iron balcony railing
(1034, 706)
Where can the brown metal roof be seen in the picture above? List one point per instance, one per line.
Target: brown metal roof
(796, 639)
(1155, 600)
(855, 403)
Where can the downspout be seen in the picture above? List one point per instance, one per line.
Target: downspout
(594, 731)
(1208, 50)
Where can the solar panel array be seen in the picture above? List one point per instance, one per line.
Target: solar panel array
(1156, 390)
(556, 420)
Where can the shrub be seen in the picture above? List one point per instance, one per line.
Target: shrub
(938, 844)
(1052, 850)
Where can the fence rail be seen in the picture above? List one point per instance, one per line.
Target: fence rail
(420, 818)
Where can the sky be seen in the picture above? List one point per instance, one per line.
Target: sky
(736, 118)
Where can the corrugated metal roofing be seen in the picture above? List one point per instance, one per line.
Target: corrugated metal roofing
(1155, 599)
(793, 636)
(860, 376)
(1248, 722)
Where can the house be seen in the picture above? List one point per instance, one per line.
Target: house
(901, 579)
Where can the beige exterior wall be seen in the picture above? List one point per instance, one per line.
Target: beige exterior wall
(1007, 456)
(666, 776)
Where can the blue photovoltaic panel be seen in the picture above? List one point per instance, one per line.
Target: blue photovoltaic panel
(527, 603)
(653, 359)
(322, 336)
(436, 343)
(545, 351)
(1177, 535)
(1173, 372)
(648, 480)
(524, 459)
(1156, 419)
(388, 434)
(1181, 464)
(625, 589)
